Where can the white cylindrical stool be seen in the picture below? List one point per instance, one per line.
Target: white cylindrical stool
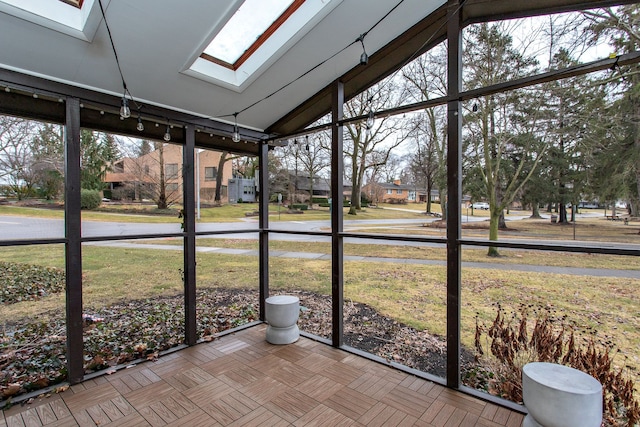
(281, 312)
(560, 396)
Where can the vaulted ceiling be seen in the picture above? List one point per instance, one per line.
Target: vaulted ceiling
(158, 41)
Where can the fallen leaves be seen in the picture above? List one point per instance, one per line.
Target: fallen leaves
(26, 282)
(33, 354)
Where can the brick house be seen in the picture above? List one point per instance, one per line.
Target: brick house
(387, 192)
(140, 178)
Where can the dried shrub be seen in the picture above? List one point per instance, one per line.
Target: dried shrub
(513, 343)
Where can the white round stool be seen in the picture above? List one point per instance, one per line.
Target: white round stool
(560, 396)
(281, 312)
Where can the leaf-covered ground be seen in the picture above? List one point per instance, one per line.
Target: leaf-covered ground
(33, 356)
(25, 282)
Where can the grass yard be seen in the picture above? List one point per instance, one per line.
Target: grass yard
(597, 229)
(554, 259)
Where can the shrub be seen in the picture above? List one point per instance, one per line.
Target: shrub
(299, 206)
(89, 199)
(513, 344)
(319, 200)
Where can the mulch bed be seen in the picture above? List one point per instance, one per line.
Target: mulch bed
(32, 354)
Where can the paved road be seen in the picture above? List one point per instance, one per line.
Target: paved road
(14, 227)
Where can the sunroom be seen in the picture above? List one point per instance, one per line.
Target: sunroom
(163, 322)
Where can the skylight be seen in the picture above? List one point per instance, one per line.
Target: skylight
(244, 28)
(77, 18)
(254, 38)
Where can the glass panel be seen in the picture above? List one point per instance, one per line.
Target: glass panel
(301, 266)
(227, 282)
(500, 51)
(32, 318)
(31, 180)
(546, 313)
(245, 26)
(140, 182)
(133, 302)
(395, 304)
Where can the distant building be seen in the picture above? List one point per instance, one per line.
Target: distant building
(242, 190)
(397, 192)
(137, 178)
(303, 186)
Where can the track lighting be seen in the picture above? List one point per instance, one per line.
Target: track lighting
(236, 134)
(35, 95)
(364, 58)
(7, 89)
(125, 111)
(140, 126)
(167, 134)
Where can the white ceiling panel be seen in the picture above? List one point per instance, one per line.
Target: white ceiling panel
(157, 39)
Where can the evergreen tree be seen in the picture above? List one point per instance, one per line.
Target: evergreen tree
(618, 156)
(98, 152)
(573, 127)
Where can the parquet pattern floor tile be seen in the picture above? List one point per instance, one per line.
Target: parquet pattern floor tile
(240, 380)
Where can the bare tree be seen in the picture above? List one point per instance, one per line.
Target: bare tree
(16, 156)
(151, 176)
(426, 79)
(369, 146)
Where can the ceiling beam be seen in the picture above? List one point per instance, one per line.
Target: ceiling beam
(411, 44)
(101, 112)
(414, 42)
(477, 11)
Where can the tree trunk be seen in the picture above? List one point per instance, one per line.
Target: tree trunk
(355, 195)
(162, 193)
(494, 221)
(562, 212)
(535, 210)
(443, 204)
(219, 176)
(357, 176)
(502, 225)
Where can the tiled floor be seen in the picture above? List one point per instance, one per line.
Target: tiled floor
(241, 380)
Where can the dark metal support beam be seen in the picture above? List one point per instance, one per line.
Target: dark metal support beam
(263, 219)
(565, 73)
(189, 242)
(100, 111)
(337, 249)
(73, 247)
(454, 186)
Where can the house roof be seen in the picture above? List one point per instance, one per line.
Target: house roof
(391, 185)
(158, 42)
